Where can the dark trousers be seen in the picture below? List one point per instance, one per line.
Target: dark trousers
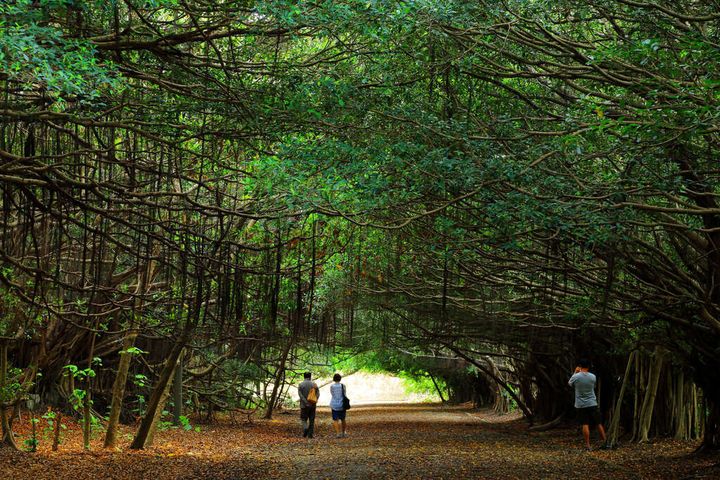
(308, 413)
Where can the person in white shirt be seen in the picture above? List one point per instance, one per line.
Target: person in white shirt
(337, 393)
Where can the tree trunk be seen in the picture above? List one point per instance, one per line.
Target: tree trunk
(118, 390)
(613, 432)
(649, 401)
(87, 403)
(526, 411)
(7, 435)
(158, 394)
(278, 379)
(695, 417)
(56, 432)
(159, 411)
(177, 392)
(711, 437)
(681, 405)
(636, 396)
(442, 399)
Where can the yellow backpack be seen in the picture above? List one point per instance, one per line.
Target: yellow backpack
(312, 397)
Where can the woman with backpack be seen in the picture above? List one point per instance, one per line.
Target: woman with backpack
(339, 404)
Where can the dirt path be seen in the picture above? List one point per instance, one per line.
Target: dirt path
(403, 442)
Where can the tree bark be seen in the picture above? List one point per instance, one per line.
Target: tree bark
(614, 430)
(159, 411)
(681, 408)
(7, 436)
(118, 390)
(140, 440)
(120, 382)
(442, 399)
(711, 438)
(526, 411)
(177, 392)
(153, 404)
(636, 396)
(648, 405)
(278, 379)
(56, 432)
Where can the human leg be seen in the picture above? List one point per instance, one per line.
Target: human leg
(336, 422)
(304, 420)
(340, 416)
(601, 431)
(586, 435)
(589, 417)
(311, 420)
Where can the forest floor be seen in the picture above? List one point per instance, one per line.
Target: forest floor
(399, 441)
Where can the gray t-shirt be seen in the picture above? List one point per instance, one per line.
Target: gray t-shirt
(584, 383)
(304, 390)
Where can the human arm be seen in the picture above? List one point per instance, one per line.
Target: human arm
(573, 378)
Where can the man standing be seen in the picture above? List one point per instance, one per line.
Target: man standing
(309, 394)
(586, 406)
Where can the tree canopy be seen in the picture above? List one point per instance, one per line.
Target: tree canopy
(244, 188)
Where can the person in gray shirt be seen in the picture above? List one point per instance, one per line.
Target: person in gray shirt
(307, 406)
(586, 405)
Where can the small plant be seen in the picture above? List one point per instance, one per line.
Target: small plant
(76, 399)
(78, 395)
(48, 431)
(133, 351)
(49, 428)
(140, 380)
(32, 443)
(185, 423)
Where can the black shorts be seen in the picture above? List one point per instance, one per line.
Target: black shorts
(588, 416)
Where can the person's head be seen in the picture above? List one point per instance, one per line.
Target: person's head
(337, 377)
(307, 375)
(584, 363)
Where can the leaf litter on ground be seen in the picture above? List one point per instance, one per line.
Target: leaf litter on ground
(394, 442)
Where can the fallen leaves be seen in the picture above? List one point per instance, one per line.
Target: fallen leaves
(398, 442)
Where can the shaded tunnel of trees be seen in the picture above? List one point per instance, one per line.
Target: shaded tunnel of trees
(201, 199)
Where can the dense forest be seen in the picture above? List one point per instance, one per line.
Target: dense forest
(203, 199)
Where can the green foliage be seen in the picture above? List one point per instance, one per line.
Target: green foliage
(33, 50)
(48, 430)
(184, 423)
(12, 387)
(422, 384)
(539, 166)
(133, 351)
(31, 443)
(78, 373)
